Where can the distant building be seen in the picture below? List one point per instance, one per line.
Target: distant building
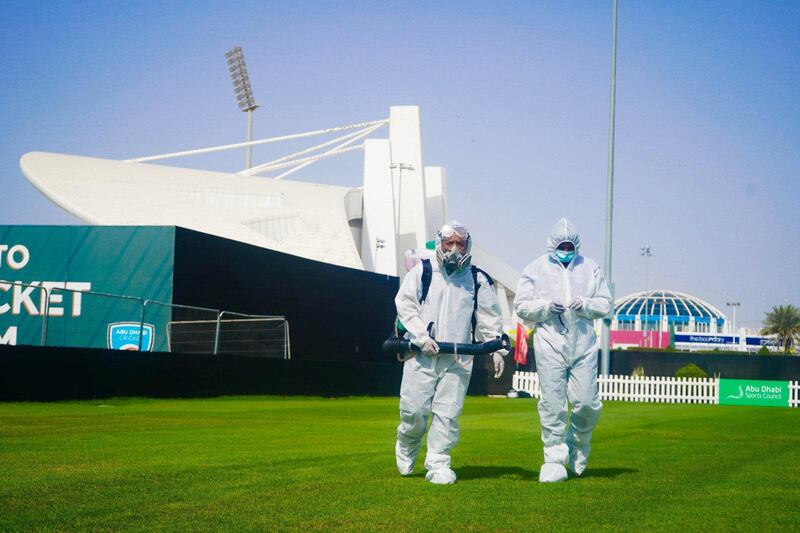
(649, 319)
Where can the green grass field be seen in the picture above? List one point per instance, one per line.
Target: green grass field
(268, 463)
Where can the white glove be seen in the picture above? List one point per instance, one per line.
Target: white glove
(556, 308)
(430, 347)
(577, 304)
(426, 345)
(499, 364)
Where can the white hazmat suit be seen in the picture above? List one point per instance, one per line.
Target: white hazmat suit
(565, 348)
(437, 383)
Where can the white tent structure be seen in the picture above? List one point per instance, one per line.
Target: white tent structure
(398, 208)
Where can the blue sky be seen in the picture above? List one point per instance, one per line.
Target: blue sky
(515, 104)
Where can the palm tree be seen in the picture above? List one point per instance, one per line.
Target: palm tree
(783, 321)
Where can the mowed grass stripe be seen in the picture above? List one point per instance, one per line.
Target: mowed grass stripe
(270, 463)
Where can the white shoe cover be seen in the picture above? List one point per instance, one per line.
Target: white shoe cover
(578, 457)
(552, 472)
(558, 454)
(405, 463)
(441, 476)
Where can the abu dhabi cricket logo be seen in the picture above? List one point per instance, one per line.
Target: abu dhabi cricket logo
(125, 336)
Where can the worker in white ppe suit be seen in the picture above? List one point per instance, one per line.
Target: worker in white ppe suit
(436, 382)
(563, 292)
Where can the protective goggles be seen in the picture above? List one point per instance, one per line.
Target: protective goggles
(449, 230)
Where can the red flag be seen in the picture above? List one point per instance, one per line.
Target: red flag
(521, 352)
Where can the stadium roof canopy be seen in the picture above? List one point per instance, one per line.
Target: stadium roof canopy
(398, 208)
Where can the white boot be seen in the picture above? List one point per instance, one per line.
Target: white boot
(552, 472)
(405, 461)
(578, 457)
(441, 476)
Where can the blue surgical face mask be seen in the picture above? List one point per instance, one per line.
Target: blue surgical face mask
(565, 257)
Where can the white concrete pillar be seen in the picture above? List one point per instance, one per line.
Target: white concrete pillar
(405, 135)
(378, 240)
(435, 199)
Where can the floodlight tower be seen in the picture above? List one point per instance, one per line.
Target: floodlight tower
(734, 305)
(244, 93)
(605, 359)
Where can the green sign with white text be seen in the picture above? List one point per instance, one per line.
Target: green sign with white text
(750, 392)
(84, 286)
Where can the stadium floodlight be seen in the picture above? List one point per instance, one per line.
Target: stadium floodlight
(734, 305)
(243, 92)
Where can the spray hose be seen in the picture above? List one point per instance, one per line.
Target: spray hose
(400, 346)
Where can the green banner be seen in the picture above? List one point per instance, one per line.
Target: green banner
(750, 392)
(76, 275)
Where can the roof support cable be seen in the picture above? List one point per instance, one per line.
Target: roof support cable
(256, 169)
(354, 139)
(344, 140)
(221, 148)
(315, 158)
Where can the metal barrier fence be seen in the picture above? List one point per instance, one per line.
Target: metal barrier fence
(255, 335)
(658, 389)
(249, 335)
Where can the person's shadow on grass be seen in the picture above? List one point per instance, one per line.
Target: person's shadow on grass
(516, 472)
(510, 472)
(608, 472)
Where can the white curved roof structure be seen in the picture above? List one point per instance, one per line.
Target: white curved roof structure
(299, 218)
(399, 207)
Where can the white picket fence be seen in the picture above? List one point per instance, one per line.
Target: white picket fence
(659, 389)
